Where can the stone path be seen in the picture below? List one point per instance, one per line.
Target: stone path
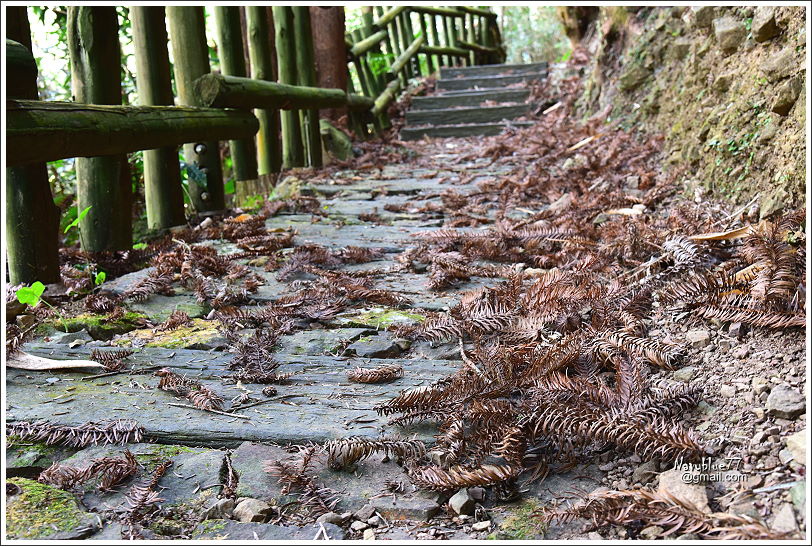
(317, 404)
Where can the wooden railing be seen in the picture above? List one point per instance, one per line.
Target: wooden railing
(247, 111)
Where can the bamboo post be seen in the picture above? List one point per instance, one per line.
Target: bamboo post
(232, 63)
(187, 32)
(435, 38)
(470, 36)
(32, 219)
(449, 37)
(102, 183)
(306, 76)
(292, 147)
(268, 158)
(425, 33)
(405, 40)
(387, 39)
(407, 24)
(393, 37)
(162, 184)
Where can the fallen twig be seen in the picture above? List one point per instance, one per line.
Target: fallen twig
(218, 412)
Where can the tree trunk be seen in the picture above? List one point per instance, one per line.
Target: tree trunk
(187, 30)
(292, 148)
(102, 183)
(162, 182)
(32, 219)
(303, 35)
(330, 53)
(268, 157)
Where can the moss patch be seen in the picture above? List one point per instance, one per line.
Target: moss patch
(382, 318)
(40, 511)
(98, 326)
(520, 524)
(37, 454)
(158, 453)
(198, 331)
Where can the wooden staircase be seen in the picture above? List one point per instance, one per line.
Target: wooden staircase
(473, 101)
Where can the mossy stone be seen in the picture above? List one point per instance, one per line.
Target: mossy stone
(44, 512)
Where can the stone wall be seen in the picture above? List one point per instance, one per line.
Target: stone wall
(725, 86)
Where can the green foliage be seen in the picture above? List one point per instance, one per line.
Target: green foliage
(100, 277)
(31, 294)
(78, 219)
(139, 246)
(379, 62)
(533, 34)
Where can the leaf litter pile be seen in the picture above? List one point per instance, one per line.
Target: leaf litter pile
(588, 246)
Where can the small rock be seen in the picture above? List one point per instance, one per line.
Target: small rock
(481, 525)
(784, 519)
(477, 493)
(358, 525)
(646, 471)
(760, 385)
(606, 467)
(330, 517)
(685, 374)
(633, 77)
(252, 510)
(730, 33)
(680, 48)
(698, 338)
(651, 532)
(703, 16)
(764, 26)
(796, 444)
(737, 329)
(788, 94)
(785, 456)
(365, 512)
(744, 508)
(222, 509)
(727, 391)
(780, 65)
(562, 203)
(369, 534)
(594, 536)
(672, 482)
(461, 502)
(375, 521)
(785, 402)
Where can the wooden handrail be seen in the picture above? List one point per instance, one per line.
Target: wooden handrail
(218, 91)
(445, 12)
(478, 11)
(368, 43)
(39, 131)
(438, 50)
(388, 17)
(401, 61)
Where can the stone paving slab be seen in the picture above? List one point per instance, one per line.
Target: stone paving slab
(318, 388)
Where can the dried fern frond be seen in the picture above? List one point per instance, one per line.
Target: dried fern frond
(380, 374)
(456, 477)
(346, 451)
(200, 396)
(109, 432)
(312, 496)
(675, 515)
(62, 476)
(177, 319)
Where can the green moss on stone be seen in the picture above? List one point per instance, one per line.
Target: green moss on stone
(40, 511)
(382, 318)
(198, 331)
(521, 524)
(158, 453)
(28, 454)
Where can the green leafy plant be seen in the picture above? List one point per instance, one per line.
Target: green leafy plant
(139, 246)
(79, 218)
(100, 277)
(32, 295)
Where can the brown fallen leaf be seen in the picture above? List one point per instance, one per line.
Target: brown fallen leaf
(723, 235)
(25, 361)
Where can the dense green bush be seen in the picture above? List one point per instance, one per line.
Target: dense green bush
(533, 34)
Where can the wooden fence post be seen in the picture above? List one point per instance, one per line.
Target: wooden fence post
(306, 75)
(32, 219)
(292, 149)
(102, 183)
(187, 32)
(162, 183)
(259, 51)
(405, 40)
(425, 33)
(232, 63)
(435, 37)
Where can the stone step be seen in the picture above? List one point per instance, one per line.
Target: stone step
(488, 82)
(476, 114)
(449, 131)
(318, 388)
(475, 98)
(492, 70)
